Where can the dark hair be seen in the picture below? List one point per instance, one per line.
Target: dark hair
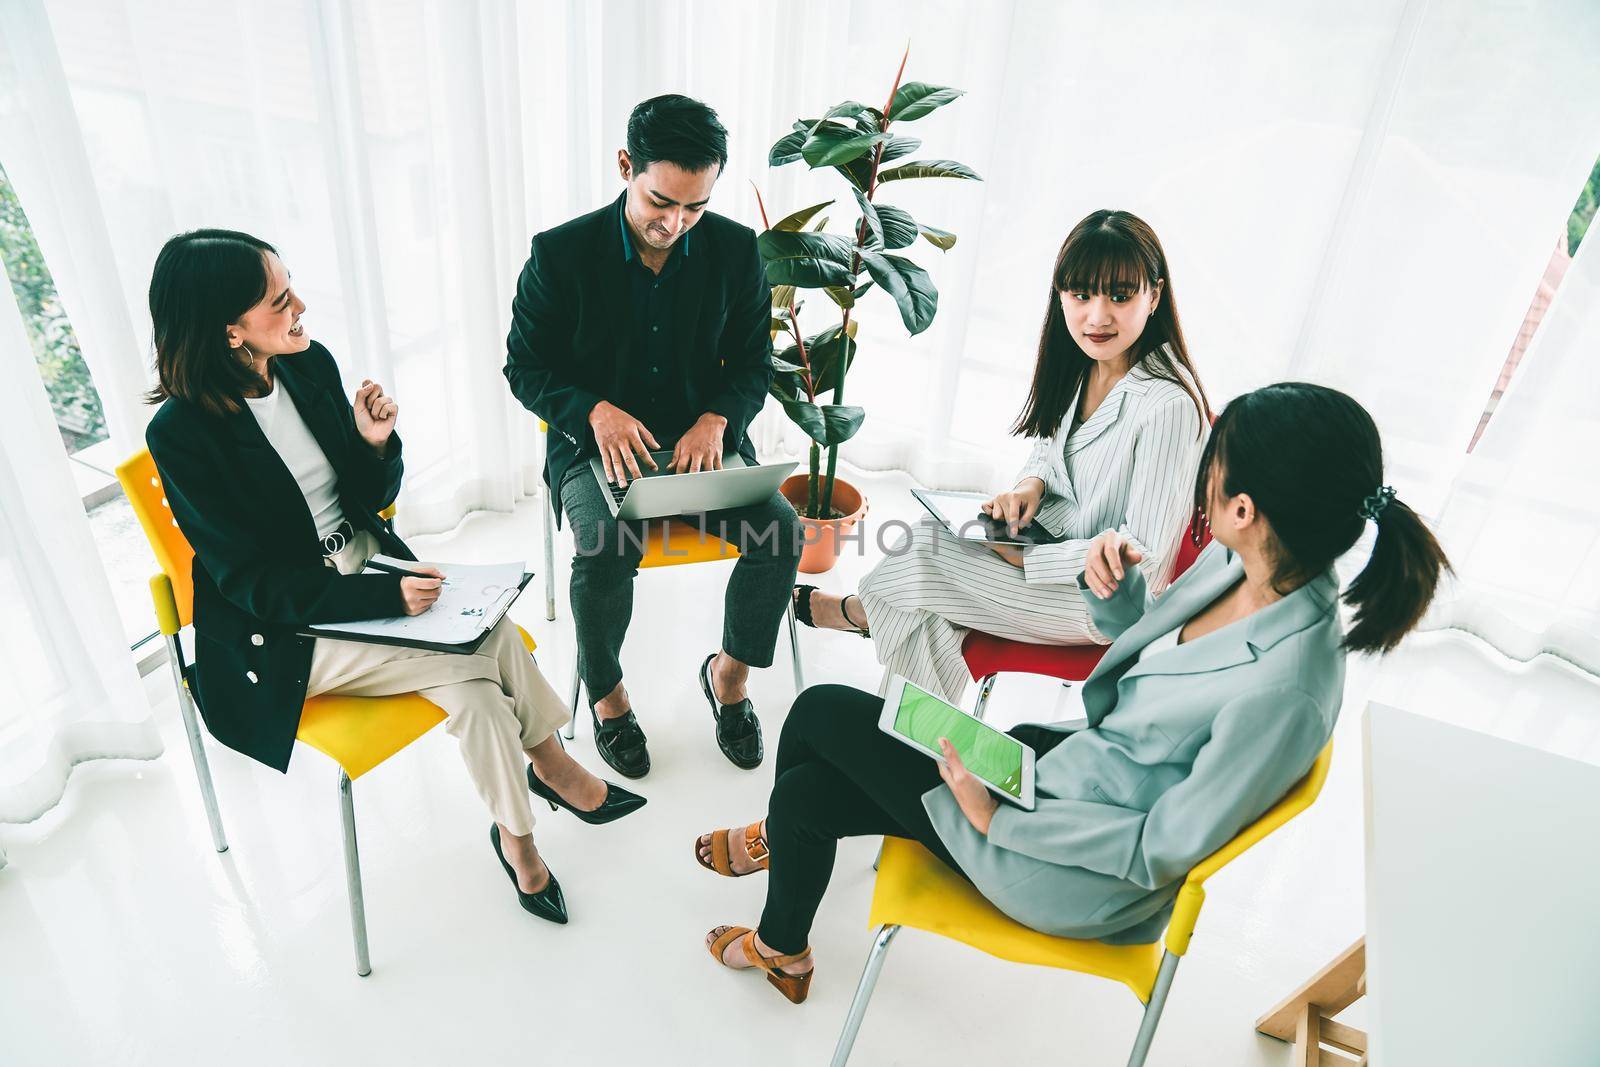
(678, 130)
(203, 281)
(1107, 251)
(1311, 460)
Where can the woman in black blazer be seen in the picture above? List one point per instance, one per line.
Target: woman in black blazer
(277, 482)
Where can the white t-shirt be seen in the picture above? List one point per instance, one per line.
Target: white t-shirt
(1164, 643)
(288, 433)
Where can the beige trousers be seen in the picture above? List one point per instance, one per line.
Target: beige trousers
(498, 703)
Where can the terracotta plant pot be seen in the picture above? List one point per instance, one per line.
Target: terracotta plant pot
(821, 544)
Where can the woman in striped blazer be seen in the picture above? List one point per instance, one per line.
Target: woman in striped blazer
(1119, 418)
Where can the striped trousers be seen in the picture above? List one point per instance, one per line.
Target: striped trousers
(924, 596)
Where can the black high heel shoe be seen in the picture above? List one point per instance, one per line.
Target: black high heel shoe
(802, 611)
(618, 801)
(547, 903)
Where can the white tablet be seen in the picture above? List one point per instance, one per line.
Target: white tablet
(995, 758)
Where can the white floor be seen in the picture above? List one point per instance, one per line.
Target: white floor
(125, 939)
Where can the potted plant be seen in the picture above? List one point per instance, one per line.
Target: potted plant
(857, 142)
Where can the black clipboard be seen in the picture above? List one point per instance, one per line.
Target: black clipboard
(466, 648)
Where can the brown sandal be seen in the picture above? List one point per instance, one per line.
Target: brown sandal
(796, 987)
(755, 846)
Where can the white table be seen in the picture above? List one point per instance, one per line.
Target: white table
(1483, 860)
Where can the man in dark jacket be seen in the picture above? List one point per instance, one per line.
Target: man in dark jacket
(630, 334)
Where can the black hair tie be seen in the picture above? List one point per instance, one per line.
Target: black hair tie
(1373, 506)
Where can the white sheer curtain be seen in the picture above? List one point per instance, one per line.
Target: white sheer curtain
(1361, 195)
(71, 691)
(1522, 522)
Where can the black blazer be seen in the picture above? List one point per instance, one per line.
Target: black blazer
(570, 327)
(258, 568)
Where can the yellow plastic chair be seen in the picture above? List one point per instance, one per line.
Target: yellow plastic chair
(917, 890)
(667, 544)
(357, 733)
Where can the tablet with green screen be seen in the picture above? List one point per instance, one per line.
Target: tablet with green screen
(920, 719)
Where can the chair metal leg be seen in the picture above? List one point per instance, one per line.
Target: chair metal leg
(858, 1006)
(794, 651)
(197, 747)
(352, 874)
(550, 556)
(1152, 1010)
(572, 723)
(984, 689)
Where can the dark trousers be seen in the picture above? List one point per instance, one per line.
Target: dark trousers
(839, 776)
(767, 536)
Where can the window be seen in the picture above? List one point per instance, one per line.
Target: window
(1566, 246)
(80, 419)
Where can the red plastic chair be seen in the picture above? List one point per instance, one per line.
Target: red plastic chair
(989, 656)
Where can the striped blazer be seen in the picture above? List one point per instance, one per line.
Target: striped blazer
(1130, 467)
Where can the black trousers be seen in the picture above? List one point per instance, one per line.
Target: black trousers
(607, 560)
(839, 776)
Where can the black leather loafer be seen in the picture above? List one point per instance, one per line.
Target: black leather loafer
(621, 743)
(547, 903)
(618, 801)
(738, 729)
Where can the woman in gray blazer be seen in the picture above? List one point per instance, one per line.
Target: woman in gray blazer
(1118, 419)
(1211, 702)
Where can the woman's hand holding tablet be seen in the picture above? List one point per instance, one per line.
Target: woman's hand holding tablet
(985, 758)
(971, 795)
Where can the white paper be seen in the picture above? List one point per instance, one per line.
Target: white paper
(473, 593)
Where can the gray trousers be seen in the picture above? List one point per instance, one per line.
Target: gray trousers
(767, 536)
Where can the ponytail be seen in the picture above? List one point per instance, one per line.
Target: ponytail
(1393, 590)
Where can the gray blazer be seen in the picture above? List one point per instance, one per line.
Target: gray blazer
(1181, 753)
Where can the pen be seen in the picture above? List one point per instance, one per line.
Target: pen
(388, 569)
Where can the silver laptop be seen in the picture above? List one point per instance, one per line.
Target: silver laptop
(660, 493)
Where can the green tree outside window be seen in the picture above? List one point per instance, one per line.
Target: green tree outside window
(78, 413)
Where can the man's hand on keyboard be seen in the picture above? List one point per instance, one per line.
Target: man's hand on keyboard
(620, 436)
(701, 448)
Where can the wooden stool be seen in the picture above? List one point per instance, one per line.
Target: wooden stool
(1306, 1017)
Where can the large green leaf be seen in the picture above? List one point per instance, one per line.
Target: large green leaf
(916, 99)
(831, 145)
(788, 379)
(869, 214)
(913, 290)
(941, 239)
(825, 350)
(787, 148)
(929, 168)
(899, 228)
(847, 110)
(858, 172)
(826, 424)
(846, 297)
(798, 220)
(806, 260)
(899, 147)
